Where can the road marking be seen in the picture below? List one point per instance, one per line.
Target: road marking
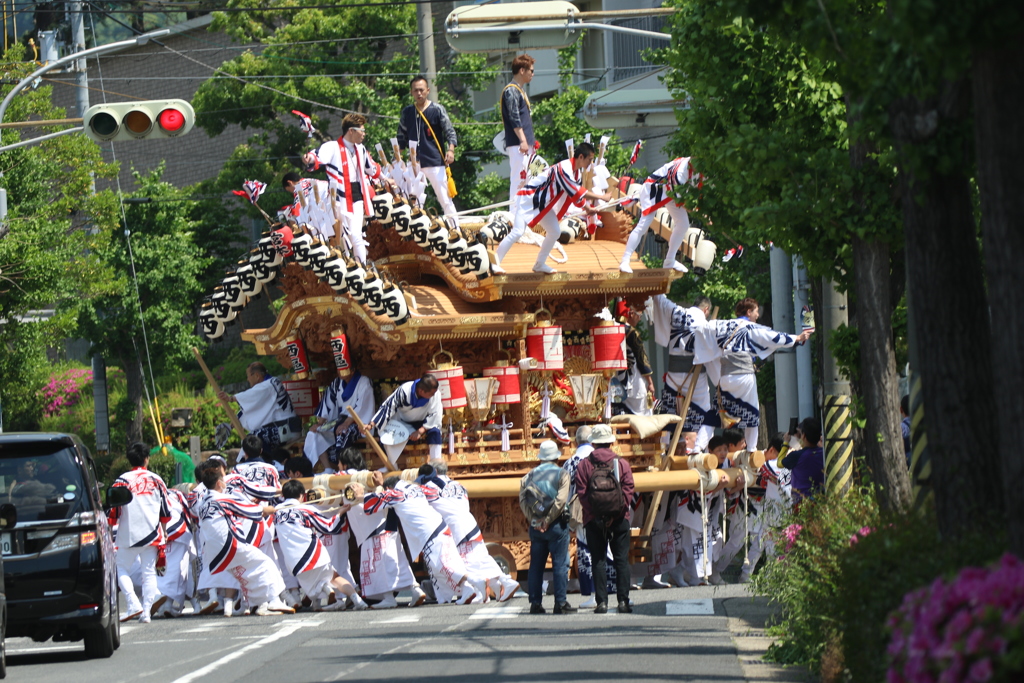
(286, 630)
(503, 612)
(704, 606)
(407, 619)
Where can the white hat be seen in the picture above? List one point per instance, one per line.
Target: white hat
(549, 451)
(602, 435)
(394, 433)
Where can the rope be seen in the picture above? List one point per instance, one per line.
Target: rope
(746, 521)
(704, 524)
(321, 481)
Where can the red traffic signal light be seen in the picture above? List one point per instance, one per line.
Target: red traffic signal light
(138, 120)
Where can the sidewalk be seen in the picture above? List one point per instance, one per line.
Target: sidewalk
(748, 616)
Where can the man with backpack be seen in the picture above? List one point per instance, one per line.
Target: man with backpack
(544, 499)
(604, 484)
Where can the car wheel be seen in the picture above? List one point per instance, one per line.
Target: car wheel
(3, 655)
(117, 633)
(99, 643)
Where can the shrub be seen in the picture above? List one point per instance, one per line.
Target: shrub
(804, 577)
(64, 389)
(967, 629)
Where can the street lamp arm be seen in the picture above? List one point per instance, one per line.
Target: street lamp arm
(98, 50)
(26, 143)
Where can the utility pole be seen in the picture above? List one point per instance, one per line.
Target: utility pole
(786, 396)
(804, 381)
(838, 423)
(425, 28)
(81, 65)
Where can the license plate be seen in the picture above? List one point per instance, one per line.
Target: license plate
(6, 544)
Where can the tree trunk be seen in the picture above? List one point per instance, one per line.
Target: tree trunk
(951, 321)
(883, 439)
(998, 80)
(133, 380)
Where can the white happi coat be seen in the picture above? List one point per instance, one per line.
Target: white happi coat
(139, 522)
(675, 329)
(264, 404)
(356, 393)
(299, 528)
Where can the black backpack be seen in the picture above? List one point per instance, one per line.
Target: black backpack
(604, 491)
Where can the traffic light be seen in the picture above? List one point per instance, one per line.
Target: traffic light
(144, 120)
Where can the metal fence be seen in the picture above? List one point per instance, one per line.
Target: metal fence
(627, 50)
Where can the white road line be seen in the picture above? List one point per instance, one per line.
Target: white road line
(503, 612)
(700, 607)
(286, 630)
(407, 619)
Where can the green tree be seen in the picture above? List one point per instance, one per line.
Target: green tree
(166, 269)
(45, 260)
(768, 126)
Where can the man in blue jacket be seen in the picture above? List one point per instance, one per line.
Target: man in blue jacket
(426, 126)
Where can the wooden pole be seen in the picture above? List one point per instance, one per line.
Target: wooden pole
(216, 389)
(372, 441)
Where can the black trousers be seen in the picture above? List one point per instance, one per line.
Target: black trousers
(599, 538)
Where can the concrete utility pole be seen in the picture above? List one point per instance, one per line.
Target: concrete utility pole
(804, 380)
(838, 423)
(786, 402)
(81, 65)
(425, 28)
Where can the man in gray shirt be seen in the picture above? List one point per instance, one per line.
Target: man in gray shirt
(515, 114)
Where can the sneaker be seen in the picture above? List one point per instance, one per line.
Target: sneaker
(358, 604)
(131, 613)
(144, 618)
(293, 599)
(591, 601)
(744, 578)
(624, 268)
(652, 583)
(155, 608)
(564, 608)
(197, 607)
(602, 608)
(716, 579)
(537, 609)
(336, 606)
(388, 602)
(675, 265)
(279, 607)
(171, 610)
(418, 597)
(544, 269)
(625, 607)
(229, 607)
(210, 607)
(509, 587)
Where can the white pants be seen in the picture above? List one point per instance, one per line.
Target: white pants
(478, 562)
(337, 549)
(352, 226)
(665, 545)
(524, 213)
(680, 224)
(677, 385)
(316, 582)
(517, 164)
(176, 583)
(147, 560)
(257, 575)
(447, 570)
(439, 181)
(289, 579)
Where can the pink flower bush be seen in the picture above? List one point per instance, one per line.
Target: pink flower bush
(791, 533)
(63, 389)
(961, 630)
(861, 533)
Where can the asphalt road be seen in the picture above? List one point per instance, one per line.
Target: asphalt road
(673, 635)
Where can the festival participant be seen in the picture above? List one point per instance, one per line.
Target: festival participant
(383, 567)
(140, 531)
(427, 534)
(636, 380)
(265, 409)
(355, 392)
(175, 584)
(312, 205)
(728, 348)
(422, 125)
(518, 123)
(766, 501)
(545, 199)
(692, 569)
(349, 168)
(674, 328)
(451, 501)
(411, 413)
(299, 528)
(658, 192)
(226, 551)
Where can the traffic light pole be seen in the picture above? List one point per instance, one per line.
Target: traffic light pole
(82, 68)
(25, 82)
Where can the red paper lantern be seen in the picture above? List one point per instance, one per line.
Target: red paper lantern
(508, 383)
(608, 346)
(297, 355)
(282, 239)
(342, 357)
(452, 383)
(544, 344)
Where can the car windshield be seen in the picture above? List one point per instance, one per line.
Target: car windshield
(42, 480)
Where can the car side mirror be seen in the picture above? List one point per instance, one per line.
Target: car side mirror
(118, 496)
(8, 516)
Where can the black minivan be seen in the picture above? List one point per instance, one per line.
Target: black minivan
(58, 560)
